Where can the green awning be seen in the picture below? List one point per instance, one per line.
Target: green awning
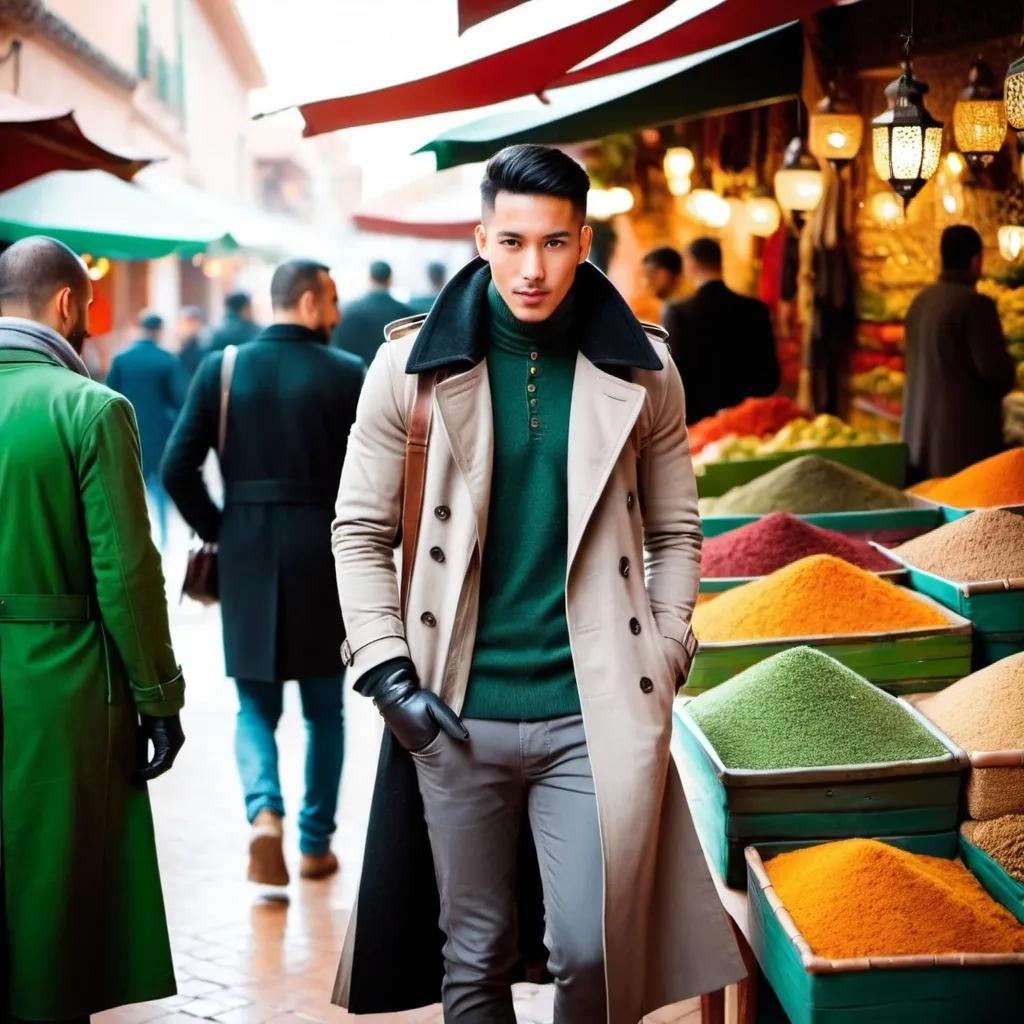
(96, 213)
(751, 72)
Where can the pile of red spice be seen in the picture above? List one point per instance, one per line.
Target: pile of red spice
(753, 417)
(778, 539)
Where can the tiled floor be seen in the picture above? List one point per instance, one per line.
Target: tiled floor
(241, 957)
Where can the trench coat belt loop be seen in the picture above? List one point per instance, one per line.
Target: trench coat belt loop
(47, 608)
(280, 492)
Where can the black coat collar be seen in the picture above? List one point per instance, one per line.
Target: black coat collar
(455, 336)
(291, 332)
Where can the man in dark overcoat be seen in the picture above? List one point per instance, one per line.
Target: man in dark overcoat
(291, 404)
(361, 329)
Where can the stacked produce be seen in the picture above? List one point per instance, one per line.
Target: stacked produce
(803, 709)
(984, 713)
(816, 596)
(761, 547)
(1010, 303)
(757, 417)
(995, 481)
(986, 545)
(806, 485)
(862, 898)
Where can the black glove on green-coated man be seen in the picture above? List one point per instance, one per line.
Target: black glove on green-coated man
(414, 715)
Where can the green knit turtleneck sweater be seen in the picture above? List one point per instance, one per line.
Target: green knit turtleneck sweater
(522, 666)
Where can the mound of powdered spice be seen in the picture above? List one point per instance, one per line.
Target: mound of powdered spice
(986, 545)
(816, 596)
(806, 485)
(1002, 839)
(861, 898)
(998, 480)
(760, 548)
(803, 709)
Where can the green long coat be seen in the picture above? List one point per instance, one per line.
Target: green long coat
(84, 647)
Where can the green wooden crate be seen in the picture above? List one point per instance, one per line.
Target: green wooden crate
(916, 520)
(885, 462)
(718, 584)
(951, 514)
(895, 990)
(733, 808)
(904, 661)
(995, 609)
(997, 882)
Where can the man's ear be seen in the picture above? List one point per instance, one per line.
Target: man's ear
(586, 241)
(480, 234)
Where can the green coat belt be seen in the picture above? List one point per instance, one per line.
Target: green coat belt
(84, 647)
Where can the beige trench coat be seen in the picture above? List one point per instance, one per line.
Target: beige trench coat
(632, 502)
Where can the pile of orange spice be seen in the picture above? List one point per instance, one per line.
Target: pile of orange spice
(987, 484)
(862, 898)
(816, 596)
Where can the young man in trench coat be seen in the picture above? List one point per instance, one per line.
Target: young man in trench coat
(555, 572)
(87, 674)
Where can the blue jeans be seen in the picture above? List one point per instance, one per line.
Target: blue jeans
(158, 496)
(259, 710)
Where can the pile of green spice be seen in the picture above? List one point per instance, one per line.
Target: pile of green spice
(986, 545)
(803, 709)
(804, 486)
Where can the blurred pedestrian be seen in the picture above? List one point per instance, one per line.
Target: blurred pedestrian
(88, 675)
(958, 366)
(361, 330)
(437, 275)
(723, 343)
(663, 272)
(291, 402)
(238, 325)
(154, 381)
(190, 336)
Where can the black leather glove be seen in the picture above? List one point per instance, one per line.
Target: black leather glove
(415, 716)
(167, 737)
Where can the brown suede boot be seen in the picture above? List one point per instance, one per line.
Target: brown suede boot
(318, 865)
(266, 850)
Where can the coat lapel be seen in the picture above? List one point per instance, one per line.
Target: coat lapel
(464, 407)
(604, 411)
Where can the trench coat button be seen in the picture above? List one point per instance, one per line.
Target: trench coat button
(531, 388)
(533, 371)
(443, 512)
(428, 620)
(646, 685)
(624, 568)
(630, 500)
(634, 627)
(534, 356)
(437, 554)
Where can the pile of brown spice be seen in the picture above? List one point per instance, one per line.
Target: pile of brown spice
(1002, 839)
(986, 545)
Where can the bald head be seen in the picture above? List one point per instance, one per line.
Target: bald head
(43, 280)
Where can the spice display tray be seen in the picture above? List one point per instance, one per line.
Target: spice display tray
(995, 609)
(890, 990)
(733, 808)
(901, 661)
(998, 883)
(885, 462)
(908, 522)
(951, 514)
(718, 584)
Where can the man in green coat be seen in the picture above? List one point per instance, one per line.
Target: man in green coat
(87, 675)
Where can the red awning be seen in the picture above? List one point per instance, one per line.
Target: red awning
(35, 140)
(472, 12)
(731, 19)
(438, 231)
(520, 71)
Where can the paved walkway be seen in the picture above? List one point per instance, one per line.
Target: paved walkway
(241, 957)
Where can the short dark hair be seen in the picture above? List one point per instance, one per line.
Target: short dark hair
(380, 272)
(151, 321)
(666, 258)
(960, 244)
(437, 273)
(535, 171)
(293, 279)
(706, 253)
(33, 270)
(237, 301)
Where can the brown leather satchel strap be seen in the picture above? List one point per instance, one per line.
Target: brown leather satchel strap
(416, 445)
(227, 371)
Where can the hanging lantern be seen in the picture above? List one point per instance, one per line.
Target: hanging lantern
(885, 208)
(679, 162)
(763, 216)
(836, 130)
(1013, 92)
(1011, 242)
(709, 208)
(680, 186)
(906, 140)
(800, 183)
(979, 117)
(605, 203)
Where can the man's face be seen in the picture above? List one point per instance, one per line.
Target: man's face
(319, 312)
(660, 281)
(73, 314)
(534, 244)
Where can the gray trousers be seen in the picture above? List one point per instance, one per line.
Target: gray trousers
(474, 797)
